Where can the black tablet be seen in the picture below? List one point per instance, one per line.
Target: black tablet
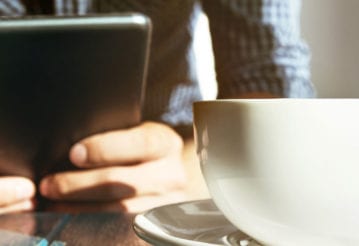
(63, 79)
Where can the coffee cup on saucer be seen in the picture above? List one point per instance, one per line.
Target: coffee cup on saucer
(284, 171)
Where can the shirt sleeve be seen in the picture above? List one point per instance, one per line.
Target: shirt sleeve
(258, 47)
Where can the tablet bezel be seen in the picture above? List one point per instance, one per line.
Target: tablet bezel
(39, 159)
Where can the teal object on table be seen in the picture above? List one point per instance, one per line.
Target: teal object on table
(14, 238)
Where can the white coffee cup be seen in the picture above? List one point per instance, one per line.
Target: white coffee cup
(284, 171)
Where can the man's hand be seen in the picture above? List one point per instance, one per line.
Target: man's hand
(16, 194)
(133, 170)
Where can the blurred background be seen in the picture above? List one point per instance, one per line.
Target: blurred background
(330, 29)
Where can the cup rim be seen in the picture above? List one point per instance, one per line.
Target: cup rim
(277, 100)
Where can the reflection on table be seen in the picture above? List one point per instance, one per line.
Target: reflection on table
(67, 229)
(87, 228)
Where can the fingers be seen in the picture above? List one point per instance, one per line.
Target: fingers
(89, 185)
(148, 141)
(15, 189)
(130, 205)
(113, 183)
(155, 153)
(25, 205)
(16, 194)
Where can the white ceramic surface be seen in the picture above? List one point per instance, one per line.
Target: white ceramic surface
(285, 171)
(196, 223)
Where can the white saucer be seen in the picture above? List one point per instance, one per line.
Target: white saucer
(196, 223)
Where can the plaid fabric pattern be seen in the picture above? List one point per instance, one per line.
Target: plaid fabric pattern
(257, 47)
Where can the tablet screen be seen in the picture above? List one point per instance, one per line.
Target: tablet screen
(63, 79)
